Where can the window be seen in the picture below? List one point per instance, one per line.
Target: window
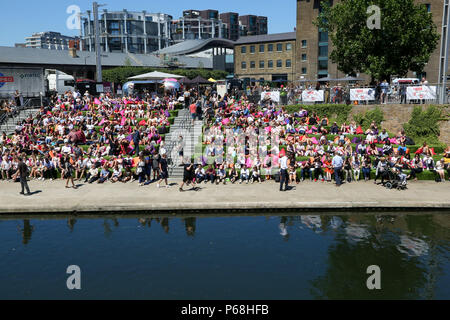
(270, 47)
(244, 65)
(303, 70)
(288, 46)
(323, 65)
(252, 49)
(261, 64)
(288, 63)
(323, 51)
(243, 49)
(279, 47)
(428, 6)
(270, 63)
(279, 63)
(304, 57)
(323, 36)
(261, 48)
(252, 64)
(304, 43)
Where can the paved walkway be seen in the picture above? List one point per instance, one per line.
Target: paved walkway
(52, 197)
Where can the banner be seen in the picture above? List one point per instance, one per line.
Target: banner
(272, 95)
(362, 94)
(29, 81)
(312, 95)
(221, 89)
(421, 93)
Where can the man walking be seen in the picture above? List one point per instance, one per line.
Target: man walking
(22, 171)
(193, 110)
(337, 164)
(163, 167)
(284, 177)
(136, 141)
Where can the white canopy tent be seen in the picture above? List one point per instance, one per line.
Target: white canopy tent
(156, 75)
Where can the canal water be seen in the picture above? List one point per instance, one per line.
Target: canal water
(226, 257)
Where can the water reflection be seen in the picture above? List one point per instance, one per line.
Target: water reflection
(411, 250)
(26, 231)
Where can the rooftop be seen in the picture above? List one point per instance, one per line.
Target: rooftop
(274, 37)
(12, 55)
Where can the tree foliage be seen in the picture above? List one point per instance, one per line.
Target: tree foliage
(121, 74)
(404, 43)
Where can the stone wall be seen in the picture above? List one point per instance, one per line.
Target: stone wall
(395, 115)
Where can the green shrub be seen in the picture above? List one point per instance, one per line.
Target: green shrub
(365, 119)
(424, 123)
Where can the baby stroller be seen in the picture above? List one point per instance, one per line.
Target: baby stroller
(394, 179)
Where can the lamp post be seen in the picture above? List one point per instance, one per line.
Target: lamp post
(98, 59)
(443, 61)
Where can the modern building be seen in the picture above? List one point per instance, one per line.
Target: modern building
(231, 25)
(314, 47)
(127, 32)
(266, 57)
(197, 24)
(251, 25)
(49, 40)
(207, 24)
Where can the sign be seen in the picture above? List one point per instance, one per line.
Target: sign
(272, 95)
(312, 95)
(221, 89)
(4, 79)
(99, 88)
(362, 94)
(28, 81)
(421, 93)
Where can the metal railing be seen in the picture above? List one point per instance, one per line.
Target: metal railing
(341, 95)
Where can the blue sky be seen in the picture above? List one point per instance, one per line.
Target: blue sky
(27, 16)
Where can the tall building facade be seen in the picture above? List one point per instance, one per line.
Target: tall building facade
(197, 24)
(206, 24)
(251, 25)
(49, 40)
(128, 32)
(231, 25)
(314, 46)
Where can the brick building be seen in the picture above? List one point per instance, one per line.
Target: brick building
(266, 57)
(314, 47)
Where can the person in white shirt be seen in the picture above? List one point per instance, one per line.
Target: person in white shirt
(6, 167)
(245, 175)
(440, 170)
(284, 176)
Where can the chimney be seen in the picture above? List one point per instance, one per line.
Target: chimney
(72, 49)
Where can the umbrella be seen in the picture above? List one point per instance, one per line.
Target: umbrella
(212, 80)
(170, 80)
(170, 85)
(199, 80)
(326, 79)
(350, 79)
(156, 75)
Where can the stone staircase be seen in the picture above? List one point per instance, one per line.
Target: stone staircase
(9, 125)
(191, 133)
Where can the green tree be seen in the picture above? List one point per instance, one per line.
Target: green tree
(404, 42)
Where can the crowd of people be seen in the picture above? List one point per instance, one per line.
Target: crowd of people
(108, 139)
(81, 137)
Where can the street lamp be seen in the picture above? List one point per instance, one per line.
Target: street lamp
(97, 42)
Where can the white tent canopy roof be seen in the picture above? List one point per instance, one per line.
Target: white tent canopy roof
(156, 75)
